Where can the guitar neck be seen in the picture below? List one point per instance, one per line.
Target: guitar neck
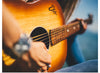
(58, 34)
(61, 33)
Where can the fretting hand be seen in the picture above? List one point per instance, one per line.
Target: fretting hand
(84, 25)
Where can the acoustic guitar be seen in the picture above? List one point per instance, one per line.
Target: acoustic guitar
(43, 21)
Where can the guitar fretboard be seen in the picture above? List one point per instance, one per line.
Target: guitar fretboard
(61, 33)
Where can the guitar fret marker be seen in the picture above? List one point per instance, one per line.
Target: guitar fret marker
(74, 27)
(67, 30)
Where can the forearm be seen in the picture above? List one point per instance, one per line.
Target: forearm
(11, 30)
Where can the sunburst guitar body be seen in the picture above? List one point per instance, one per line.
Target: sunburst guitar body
(44, 13)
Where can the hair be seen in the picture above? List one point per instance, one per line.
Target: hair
(68, 7)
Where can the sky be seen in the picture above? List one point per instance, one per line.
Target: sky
(82, 10)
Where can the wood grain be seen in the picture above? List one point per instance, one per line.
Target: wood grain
(30, 16)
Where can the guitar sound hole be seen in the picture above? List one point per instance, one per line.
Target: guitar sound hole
(40, 34)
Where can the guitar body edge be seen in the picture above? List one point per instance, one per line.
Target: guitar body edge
(46, 14)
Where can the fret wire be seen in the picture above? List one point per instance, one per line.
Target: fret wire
(43, 33)
(39, 35)
(63, 30)
(57, 40)
(53, 32)
(40, 38)
(65, 37)
(57, 32)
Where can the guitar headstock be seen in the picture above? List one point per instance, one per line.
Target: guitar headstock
(89, 20)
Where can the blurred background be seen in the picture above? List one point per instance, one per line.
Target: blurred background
(88, 41)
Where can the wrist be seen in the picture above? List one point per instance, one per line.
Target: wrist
(22, 45)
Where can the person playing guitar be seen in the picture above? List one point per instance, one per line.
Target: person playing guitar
(35, 54)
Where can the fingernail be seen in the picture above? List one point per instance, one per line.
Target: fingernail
(49, 65)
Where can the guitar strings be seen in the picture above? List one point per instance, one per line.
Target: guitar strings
(48, 38)
(55, 41)
(51, 40)
(47, 42)
(48, 35)
(40, 38)
(39, 35)
(53, 34)
(45, 33)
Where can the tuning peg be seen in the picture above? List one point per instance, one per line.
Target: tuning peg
(90, 19)
(90, 16)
